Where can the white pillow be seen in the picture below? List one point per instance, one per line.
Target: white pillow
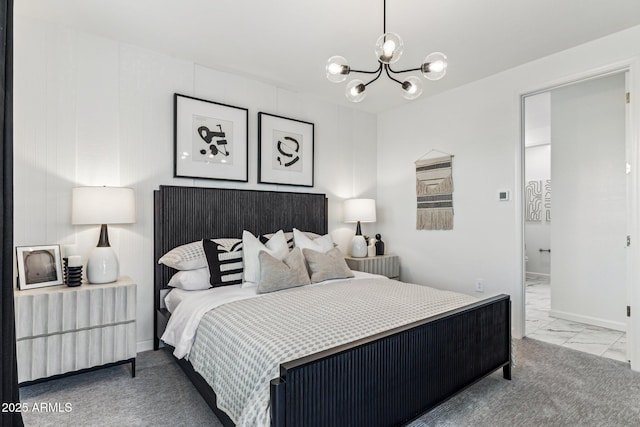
(319, 244)
(185, 257)
(276, 247)
(191, 280)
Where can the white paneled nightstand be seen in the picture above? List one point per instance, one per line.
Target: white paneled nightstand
(386, 265)
(62, 330)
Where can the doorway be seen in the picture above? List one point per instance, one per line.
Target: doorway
(575, 216)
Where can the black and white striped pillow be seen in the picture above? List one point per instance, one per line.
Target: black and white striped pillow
(224, 257)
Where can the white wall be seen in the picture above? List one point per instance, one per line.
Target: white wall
(93, 111)
(588, 228)
(480, 124)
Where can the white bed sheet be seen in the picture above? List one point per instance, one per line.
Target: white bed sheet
(177, 295)
(184, 320)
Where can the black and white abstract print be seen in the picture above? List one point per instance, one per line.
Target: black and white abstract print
(287, 151)
(212, 140)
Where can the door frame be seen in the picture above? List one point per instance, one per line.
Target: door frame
(632, 151)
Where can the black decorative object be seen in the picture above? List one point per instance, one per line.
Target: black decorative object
(379, 245)
(65, 270)
(73, 277)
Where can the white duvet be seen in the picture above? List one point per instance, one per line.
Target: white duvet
(181, 329)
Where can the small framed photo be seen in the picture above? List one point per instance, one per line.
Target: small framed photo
(285, 151)
(210, 140)
(39, 266)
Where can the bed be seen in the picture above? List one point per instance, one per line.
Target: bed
(385, 379)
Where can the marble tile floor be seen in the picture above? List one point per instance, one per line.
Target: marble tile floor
(578, 336)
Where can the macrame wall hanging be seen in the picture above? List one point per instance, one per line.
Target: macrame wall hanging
(434, 192)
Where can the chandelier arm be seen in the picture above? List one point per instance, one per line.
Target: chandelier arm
(375, 78)
(404, 71)
(386, 67)
(351, 70)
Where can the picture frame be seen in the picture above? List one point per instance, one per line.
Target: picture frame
(285, 151)
(39, 266)
(210, 140)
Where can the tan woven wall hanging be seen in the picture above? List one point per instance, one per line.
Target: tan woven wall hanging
(434, 193)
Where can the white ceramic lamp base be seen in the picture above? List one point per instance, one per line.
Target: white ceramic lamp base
(358, 247)
(102, 266)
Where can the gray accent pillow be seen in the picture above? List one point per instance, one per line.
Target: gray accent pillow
(276, 275)
(328, 265)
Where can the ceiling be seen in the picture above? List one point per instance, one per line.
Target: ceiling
(287, 42)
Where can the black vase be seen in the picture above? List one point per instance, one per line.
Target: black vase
(379, 245)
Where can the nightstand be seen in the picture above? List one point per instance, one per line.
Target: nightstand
(386, 265)
(62, 330)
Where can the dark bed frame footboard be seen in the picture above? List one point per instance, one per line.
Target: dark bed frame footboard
(393, 377)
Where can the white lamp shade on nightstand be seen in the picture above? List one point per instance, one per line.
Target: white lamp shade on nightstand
(103, 205)
(363, 210)
(359, 210)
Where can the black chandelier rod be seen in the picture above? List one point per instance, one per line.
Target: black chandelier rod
(376, 77)
(403, 71)
(384, 16)
(386, 67)
(365, 72)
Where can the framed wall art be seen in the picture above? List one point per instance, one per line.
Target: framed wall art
(285, 151)
(39, 266)
(210, 140)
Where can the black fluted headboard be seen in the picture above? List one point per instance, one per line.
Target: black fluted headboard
(187, 214)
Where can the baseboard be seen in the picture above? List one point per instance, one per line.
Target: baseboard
(144, 346)
(603, 323)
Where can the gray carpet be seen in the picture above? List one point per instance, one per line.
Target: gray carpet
(551, 386)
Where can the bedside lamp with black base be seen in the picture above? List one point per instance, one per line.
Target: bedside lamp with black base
(103, 205)
(359, 210)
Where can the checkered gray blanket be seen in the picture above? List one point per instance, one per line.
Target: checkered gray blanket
(239, 346)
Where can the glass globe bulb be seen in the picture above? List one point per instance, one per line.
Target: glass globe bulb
(337, 69)
(389, 47)
(434, 66)
(356, 90)
(412, 87)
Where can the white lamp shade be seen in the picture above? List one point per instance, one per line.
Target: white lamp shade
(103, 205)
(363, 210)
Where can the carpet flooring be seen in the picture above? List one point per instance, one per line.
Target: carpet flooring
(551, 386)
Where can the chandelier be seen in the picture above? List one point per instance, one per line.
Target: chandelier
(389, 48)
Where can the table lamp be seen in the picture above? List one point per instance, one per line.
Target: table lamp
(359, 210)
(102, 205)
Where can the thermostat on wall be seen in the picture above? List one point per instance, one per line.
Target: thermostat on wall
(503, 196)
